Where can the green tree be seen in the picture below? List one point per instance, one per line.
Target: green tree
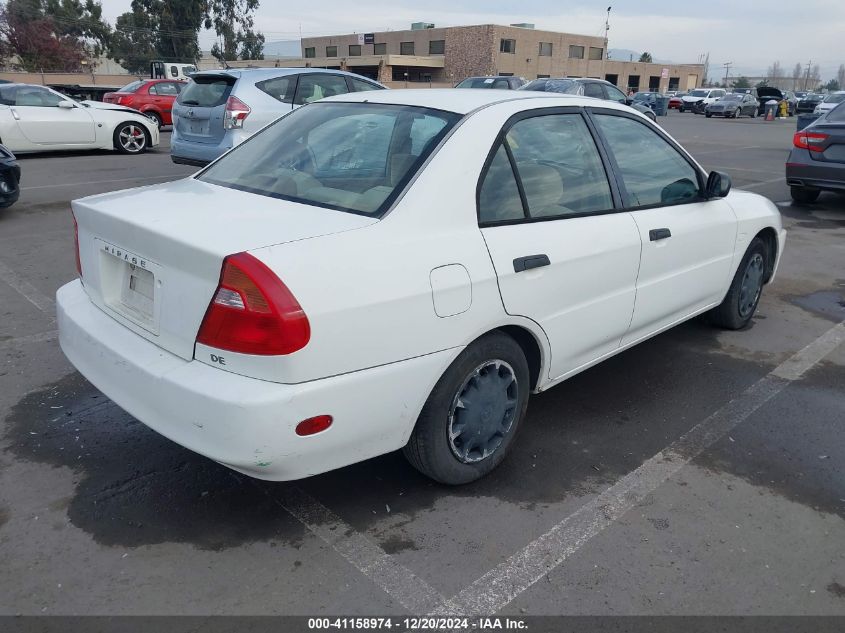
(832, 85)
(742, 82)
(52, 35)
(135, 41)
(646, 58)
(233, 22)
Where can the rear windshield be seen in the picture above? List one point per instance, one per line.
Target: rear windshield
(132, 87)
(353, 157)
(549, 85)
(699, 93)
(484, 82)
(206, 92)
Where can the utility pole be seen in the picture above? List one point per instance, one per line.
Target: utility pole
(807, 76)
(606, 29)
(727, 66)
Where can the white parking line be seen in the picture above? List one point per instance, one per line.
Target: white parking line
(27, 290)
(495, 589)
(103, 182)
(29, 339)
(400, 583)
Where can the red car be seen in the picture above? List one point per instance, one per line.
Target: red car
(675, 101)
(153, 97)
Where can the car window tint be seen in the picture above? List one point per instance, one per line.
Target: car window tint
(559, 166)
(347, 156)
(363, 86)
(153, 89)
(837, 114)
(35, 96)
(498, 197)
(316, 87)
(166, 88)
(593, 90)
(280, 88)
(652, 170)
(207, 92)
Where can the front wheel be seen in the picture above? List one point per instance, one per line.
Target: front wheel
(130, 138)
(736, 113)
(740, 303)
(472, 415)
(708, 115)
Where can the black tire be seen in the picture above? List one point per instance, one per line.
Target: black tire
(708, 115)
(743, 296)
(680, 108)
(804, 194)
(433, 451)
(131, 129)
(155, 116)
(737, 112)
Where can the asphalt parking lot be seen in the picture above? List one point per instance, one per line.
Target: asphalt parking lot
(698, 473)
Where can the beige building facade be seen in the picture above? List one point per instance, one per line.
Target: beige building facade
(447, 55)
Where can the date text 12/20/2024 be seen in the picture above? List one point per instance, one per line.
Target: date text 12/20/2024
(418, 624)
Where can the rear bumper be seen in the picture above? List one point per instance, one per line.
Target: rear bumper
(244, 423)
(803, 171)
(200, 154)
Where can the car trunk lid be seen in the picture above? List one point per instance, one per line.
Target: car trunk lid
(152, 258)
(832, 148)
(199, 110)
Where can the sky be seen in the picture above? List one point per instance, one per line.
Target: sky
(750, 33)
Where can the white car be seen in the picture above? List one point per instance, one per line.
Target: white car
(829, 102)
(402, 268)
(38, 119)
(707, 95)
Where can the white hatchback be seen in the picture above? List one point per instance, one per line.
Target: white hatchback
(402, 269)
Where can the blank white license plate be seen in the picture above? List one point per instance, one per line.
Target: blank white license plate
(138, 291)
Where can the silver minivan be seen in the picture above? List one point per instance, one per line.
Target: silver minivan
(219, 109)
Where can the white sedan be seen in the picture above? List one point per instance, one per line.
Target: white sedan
(402, 269)
(38, 119)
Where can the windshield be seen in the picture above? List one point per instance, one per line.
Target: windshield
(645, 96)
(353, 157)
(549, 85)
(835, 98)
(732, 98)
(699, 93)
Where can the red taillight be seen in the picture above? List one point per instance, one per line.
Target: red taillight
(124, 99)
(236, 113)
(76, 244)
(253, 312)
(809, 140)
(314, 425)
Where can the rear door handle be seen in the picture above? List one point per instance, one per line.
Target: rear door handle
(659, 234)
(530, 261)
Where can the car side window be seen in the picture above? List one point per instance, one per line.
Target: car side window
(280, 88)
(498, 196)
(316, 87)
(652, 170)
(362, 86)
(35, 96)
(167, 89)
(593, 90)
(614, 94)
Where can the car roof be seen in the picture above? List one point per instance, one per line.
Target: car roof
(462, 101)
(259, 73)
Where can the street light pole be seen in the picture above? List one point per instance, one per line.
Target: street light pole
(727, 66)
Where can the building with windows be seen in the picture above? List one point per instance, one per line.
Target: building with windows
(447, 55)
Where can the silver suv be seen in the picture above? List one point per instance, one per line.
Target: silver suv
(219, 109)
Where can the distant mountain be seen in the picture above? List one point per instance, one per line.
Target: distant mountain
(283, 48)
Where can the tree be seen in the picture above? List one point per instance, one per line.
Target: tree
(833, 85)
(646, 58)
(52, 35)
(762, 83)
(135, 41)
(742, 82)
(797, 76)
(233, 22)
(775, 73)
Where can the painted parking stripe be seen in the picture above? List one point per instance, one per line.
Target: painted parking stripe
(495, 589)
(411, 591)
(27, 290)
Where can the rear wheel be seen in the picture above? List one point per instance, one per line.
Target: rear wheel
(804, 194)
(472, 415)
(740, 303)
(130, 137)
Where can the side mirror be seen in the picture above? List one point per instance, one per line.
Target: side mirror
(66, 105)
(628, 101)
(718, 185)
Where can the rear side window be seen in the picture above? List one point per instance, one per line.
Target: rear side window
(207, 92)
(280, 88)
(837, 114)
(653, 172)
(498, 197)
(316, 87)
(353, 157)
(165, 89)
